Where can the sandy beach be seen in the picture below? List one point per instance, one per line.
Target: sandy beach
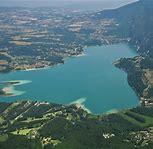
(80, 104)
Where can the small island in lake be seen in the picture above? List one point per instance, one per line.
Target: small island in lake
(6, 92)
(7, 87)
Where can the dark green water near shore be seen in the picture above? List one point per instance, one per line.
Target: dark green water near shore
(91, 79)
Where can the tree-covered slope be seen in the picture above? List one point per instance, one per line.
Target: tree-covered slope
(35, 125)
(135, 22)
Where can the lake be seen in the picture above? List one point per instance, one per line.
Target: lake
(91, 79)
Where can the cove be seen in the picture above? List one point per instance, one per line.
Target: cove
(91, 79)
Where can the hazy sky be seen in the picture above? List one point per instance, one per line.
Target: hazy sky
(82, 4)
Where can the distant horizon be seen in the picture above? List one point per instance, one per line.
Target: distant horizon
(70, 4)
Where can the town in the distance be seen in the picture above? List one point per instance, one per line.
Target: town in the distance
(41, 37)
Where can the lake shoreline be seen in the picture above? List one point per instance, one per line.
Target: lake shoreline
(8, 90)
(94, 57)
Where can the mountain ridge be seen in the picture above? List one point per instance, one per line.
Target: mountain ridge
(135, 22)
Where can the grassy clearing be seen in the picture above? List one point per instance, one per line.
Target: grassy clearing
(3, 138)
(21, 132)
(1, 119)
(11, 107)
(24, 131)
(137, 119)
(133, 121)
(35, 119)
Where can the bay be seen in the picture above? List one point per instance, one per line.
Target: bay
(91, 79)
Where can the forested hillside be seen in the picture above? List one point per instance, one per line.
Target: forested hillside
(35, 125)
(135, 22)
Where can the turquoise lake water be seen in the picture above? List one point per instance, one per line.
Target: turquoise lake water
(92, 79)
